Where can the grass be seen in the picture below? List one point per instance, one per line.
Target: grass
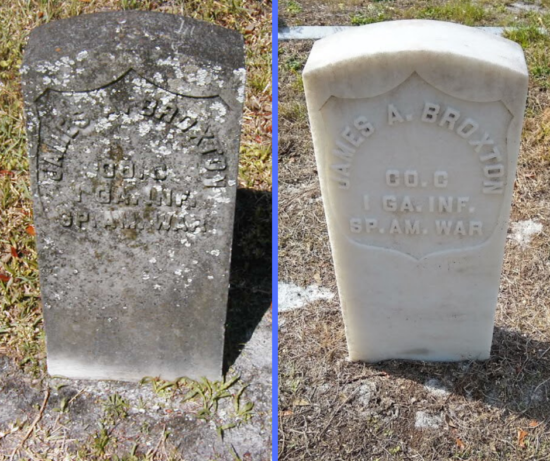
(463, 12)
(527, 37)
(293, 7)
(358, 12)
(535, 43)
(116, 407)
(22, 336)
(330, 408)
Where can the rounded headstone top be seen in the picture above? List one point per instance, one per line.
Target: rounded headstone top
(416, 35)
(153, 29)
(92, 50)
(370, 60)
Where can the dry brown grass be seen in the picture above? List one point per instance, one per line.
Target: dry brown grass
(331, 409)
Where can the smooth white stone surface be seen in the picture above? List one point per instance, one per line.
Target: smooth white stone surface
(309, 32)
(318, 32)
(407, 289)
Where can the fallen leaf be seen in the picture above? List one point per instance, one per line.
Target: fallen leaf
(533, 423)
(301, 403)
(4, 278)
(14, 252)
(521, 437)
(286, 413)
(460, 444)
(30, 230)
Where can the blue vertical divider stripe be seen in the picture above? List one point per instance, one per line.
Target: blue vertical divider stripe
(275, 202)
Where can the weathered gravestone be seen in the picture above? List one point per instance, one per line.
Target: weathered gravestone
(134, 125)
(416, 127)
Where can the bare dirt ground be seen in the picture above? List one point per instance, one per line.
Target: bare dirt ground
(331, 409)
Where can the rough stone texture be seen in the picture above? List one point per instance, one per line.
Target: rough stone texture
(133, 124)
(416, 128)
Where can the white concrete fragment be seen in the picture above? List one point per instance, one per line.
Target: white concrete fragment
(436, 388)
(523, 231)
(424, 420)
(294, 297)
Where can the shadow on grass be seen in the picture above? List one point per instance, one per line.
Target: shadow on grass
(516, 378)
(250, 279)
(281, 22)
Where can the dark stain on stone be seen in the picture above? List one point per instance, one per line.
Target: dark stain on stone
(116, 153)
(130, 234)
(419, 351)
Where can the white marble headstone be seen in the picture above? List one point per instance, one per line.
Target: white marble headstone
(416, 128)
